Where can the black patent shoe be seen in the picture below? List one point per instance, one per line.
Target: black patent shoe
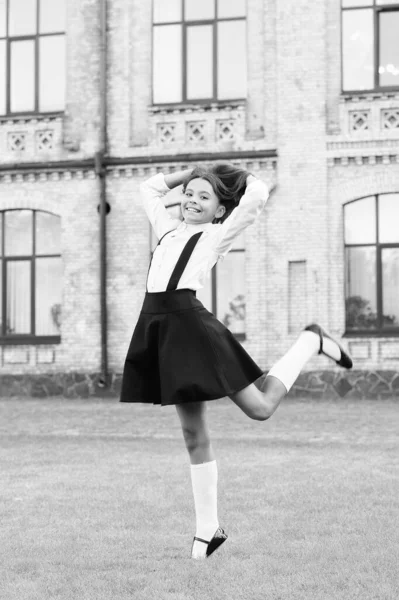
(345, 360)
(212, 545)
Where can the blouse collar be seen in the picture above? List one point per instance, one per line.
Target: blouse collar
(194, 227)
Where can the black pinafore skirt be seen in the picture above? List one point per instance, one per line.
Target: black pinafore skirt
(180, 352)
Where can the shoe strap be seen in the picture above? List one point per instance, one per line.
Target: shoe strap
(321, 342)
(201, 540)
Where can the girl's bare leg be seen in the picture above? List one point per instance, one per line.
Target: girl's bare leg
(261, 403)
(203, 470)
(257, 404)
(195, 431)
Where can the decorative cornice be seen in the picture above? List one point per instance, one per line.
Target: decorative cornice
(344, 144)
(365, 159)
(369, 96)
(193, 157)
(121, 171)
(33, 177)
(215, 107)
(130, 166)
(31, 119)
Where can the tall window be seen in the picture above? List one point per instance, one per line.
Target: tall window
(372, 264)
(370, 45)
(199, 50)
(224, 291)
(31, 276)
(32, 56)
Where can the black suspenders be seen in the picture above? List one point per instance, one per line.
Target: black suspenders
(181, 263)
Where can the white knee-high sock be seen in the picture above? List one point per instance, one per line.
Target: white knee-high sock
(204, 479)
(291, 364)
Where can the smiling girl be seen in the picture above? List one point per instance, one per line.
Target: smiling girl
(180, 353)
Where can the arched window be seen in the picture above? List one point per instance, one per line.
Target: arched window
(31, 277)
(224, 292)
(372, 264)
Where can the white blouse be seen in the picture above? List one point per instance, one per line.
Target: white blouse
(215, 242)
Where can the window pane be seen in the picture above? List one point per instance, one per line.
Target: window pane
(390, 287)
(22, 17)
(48, 233)
(232, 60)
(48, 296)
(357, 49)
(167, 63)
(200, 62)
(1, 236)
(18, 233)
(388, 218)
(360, 221)
(231, 8)
(387, 2)
(18, 297)
(361, 296)
(3, 77)
(3, 21)
(52, 16)
(346, 3)
(389, 48)
(52, 73)
(23, 76)
(166, 11)
(231, 291)
(194, 10)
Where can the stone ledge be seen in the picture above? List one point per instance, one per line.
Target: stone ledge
(376, 385)
(67, 385)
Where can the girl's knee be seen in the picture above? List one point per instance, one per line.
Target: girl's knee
(195, 438)
(261, 413)
(253, 403)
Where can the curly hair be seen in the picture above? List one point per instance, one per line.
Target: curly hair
(227, 181)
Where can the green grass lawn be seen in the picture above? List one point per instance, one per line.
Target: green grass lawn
(96, 502)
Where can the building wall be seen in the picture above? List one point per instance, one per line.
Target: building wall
(362, 156)
(294, 253)
(73, 197)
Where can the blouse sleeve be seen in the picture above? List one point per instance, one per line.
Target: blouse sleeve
(250, 207)
(152, 193)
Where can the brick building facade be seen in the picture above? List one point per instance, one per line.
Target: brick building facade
(324, 147)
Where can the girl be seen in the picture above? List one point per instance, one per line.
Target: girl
(180, 354)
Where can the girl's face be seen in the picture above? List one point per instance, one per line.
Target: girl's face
(203, 202)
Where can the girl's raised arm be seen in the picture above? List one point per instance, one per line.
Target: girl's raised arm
(152, 192)
(250, 207)
(174, 179)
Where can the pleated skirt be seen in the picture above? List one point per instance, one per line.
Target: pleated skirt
(180, 352)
